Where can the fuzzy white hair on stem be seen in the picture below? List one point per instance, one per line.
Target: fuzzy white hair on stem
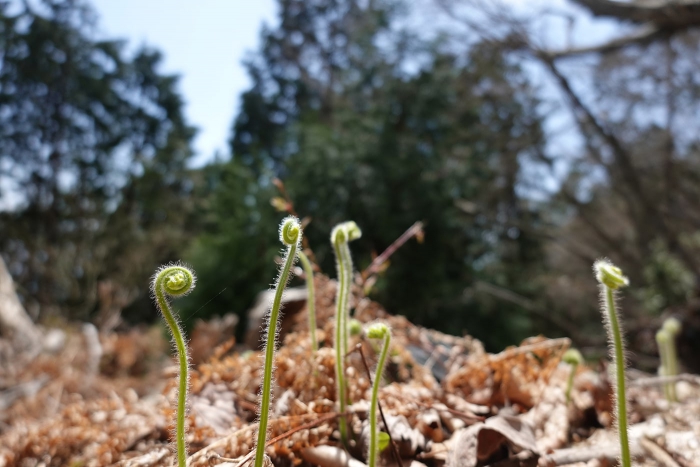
(611, 279)
(290, 235)
(176, 280)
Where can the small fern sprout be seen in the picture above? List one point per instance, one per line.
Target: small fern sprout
(574, 358)
(176, 281)
(340, 236)
(377, 331)
(611, 279)
(352, 232)
(672, 326)
(355, 327)
(663, 338)
(290, 236)
(311, 299)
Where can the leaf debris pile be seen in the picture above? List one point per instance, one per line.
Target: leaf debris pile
(446, 403)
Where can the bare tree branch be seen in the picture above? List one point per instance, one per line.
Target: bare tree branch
(674, 14)
(614, 244)
(642, 36)
(623, 160)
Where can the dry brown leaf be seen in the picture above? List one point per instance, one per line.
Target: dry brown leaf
(499, 438)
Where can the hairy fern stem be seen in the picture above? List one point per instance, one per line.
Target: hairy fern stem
(611, 279)
(176, 281)
(290, 236)
(377, 331)
(340, 236)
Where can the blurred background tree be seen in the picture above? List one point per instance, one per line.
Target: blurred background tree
(354, 134)
(526, 157)
(93, 146)
(629, 191)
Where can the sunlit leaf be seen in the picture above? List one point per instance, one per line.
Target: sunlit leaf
(383, 440)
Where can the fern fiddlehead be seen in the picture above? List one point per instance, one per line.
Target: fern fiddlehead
(611, 279)
(290, 236)
(377, 331)
(340, 236)
(176, 281)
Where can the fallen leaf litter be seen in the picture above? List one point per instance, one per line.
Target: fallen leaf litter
(447, 403)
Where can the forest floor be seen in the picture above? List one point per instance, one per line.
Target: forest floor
(100, 400)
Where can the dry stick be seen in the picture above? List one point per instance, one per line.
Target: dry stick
(560, 342)
(196, 458)
(659, 454)
(568, 456)
(358, 348)
(464, 416)
(660, 380)
(415, 230)
(248, 457)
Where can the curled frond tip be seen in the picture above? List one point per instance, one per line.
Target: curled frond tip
(672, 326)
(377, 331)
(353, 232)
(572, 357)
(610, 275)
(662, 336)
(290, 231)
(345, 232)
(338, 234)
(175, 280)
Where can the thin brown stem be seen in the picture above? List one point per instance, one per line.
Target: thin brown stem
(416, 230)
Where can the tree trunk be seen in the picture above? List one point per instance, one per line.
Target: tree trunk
(15, 324)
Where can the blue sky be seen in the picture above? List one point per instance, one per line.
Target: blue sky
(205, 42)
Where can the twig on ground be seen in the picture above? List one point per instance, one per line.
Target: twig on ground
(196, 458)
(580, 454)
(469, 418)
(562, 342)
(658, 453)
(661, 380)
(248, 457)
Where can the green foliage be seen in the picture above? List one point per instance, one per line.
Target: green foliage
(418, 151)
(384, 441)
(176, 281)
(354, 134)
(93, 151)
(669, 282)
(234, 256)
